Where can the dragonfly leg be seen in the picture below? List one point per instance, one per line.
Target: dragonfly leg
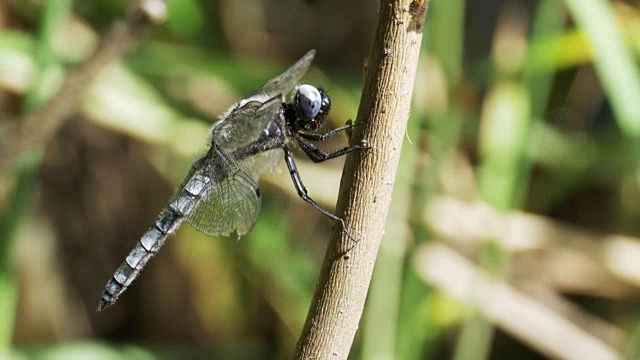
(317, 155)
(302, 191)
(324, 137)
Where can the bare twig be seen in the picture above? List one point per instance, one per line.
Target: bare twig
(575, 259)
(36, 128)
(365, 192)
(512, 310)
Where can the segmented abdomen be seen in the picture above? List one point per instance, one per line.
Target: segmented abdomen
(168, 221)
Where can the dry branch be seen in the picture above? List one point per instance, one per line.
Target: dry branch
(36, 128)
(602, 264)
(510, 309)
(365, 192)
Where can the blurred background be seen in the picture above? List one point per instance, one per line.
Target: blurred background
(514, 228)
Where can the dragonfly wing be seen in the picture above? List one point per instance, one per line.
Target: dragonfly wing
(264, 161)
(245, 123)
(229, 199)
(284, 83)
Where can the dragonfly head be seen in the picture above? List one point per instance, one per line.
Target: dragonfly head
(312, 107)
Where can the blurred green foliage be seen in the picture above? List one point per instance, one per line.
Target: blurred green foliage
(528, 106)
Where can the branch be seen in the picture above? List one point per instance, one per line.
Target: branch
(37, 127)
(513, 311)
(365, 191)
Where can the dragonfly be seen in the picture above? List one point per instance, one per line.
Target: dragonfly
(220, 194)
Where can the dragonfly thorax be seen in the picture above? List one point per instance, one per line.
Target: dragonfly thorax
(311, 106)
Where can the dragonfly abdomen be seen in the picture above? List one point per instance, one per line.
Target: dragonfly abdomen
(150, 243)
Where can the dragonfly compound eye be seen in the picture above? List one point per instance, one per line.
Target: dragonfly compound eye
(308, 101)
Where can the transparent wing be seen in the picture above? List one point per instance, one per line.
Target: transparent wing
(245, 123)
(284, 83)
(228, 198)
(264, 161)
(246, 120)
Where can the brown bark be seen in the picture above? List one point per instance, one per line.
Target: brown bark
(367, 183)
